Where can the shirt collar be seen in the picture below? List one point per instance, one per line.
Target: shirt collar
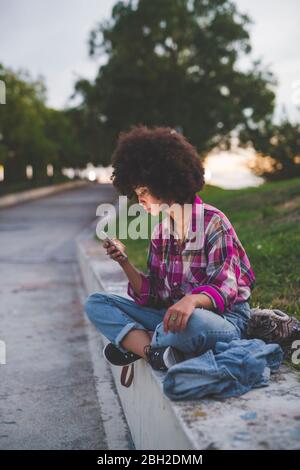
(195, 232)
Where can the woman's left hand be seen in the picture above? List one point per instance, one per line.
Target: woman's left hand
(177, 316)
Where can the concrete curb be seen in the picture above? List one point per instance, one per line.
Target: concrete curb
(264, 418)
(24, 196)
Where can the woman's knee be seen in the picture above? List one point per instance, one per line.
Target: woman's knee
(208, 321)
(202, 331)
(92, 303)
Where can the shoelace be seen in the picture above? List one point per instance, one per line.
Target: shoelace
(147, 349)
(154, 357)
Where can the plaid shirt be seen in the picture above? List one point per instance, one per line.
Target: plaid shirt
(213, 263)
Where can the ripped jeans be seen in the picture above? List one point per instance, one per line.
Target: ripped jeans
(114, 316)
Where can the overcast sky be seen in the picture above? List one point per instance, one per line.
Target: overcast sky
(49, 38)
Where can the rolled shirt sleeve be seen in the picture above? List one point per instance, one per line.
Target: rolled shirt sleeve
(221, 271)
(145, 293)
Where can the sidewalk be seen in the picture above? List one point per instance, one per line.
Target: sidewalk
(30, 194)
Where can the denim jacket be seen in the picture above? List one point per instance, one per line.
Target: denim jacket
(231, 370)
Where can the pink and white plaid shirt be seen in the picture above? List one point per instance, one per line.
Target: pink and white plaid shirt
(216, 265)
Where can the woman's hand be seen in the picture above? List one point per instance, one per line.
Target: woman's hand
(115, 254)
(177, 316)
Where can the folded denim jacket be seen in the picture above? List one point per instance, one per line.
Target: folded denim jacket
(231, 370)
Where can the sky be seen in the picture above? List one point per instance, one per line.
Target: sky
(49, 38)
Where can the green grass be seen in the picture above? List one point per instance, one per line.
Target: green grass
(267, 221)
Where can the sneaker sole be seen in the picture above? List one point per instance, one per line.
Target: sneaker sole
(172, 357)
(117, 365)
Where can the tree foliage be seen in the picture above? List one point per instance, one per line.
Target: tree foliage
(175, 63)
(278, 147)
(33, 134)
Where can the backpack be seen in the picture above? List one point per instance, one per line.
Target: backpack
(273, 326)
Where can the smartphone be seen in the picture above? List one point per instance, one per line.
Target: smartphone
(106, 238)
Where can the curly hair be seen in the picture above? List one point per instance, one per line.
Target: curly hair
(159, 158)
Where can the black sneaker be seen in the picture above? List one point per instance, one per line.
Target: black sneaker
(115, 356)
(163, 358)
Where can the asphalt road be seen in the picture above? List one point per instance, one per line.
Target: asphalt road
(48, 396)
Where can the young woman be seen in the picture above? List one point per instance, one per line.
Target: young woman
(194, 293)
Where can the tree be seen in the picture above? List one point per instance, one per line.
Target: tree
(23, 141)
(175, 63)
(62, 129)
(278, 147)
(32, 134)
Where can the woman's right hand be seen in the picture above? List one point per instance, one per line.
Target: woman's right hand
(115, 254)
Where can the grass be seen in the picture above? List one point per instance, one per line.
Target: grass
(267, 222)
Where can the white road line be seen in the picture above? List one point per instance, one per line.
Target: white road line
(114, 422)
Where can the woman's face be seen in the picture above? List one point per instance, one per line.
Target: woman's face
(149, 202)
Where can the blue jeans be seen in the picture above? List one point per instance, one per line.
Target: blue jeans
(114, 316)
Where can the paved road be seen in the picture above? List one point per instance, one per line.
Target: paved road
(48, 397)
